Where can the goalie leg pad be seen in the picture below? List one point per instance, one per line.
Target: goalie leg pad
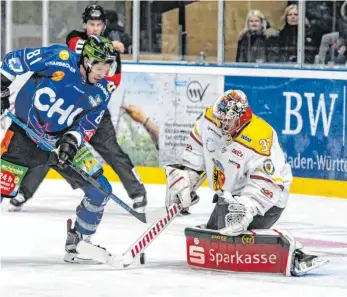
(91, 209)
(262, 250)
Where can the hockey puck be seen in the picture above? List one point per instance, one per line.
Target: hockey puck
(142, 258)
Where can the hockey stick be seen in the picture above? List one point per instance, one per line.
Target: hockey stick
(138, 247)
(143, 217)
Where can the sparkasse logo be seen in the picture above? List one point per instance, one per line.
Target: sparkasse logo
(196, 254)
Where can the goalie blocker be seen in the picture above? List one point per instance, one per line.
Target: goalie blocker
(260, 250)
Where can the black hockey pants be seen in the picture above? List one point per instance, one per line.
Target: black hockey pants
(105, 143)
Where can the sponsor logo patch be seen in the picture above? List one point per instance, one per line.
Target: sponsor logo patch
(267, 193)
(93, 101)
(269, 167)
(189, 148)
(58, 75)
(88, 134)
(235, 163)
(214, 132)
(238, 153)
(219, 237)
(62, 64)
(244, 137)
(247, 239)
(218, 175)
(210, 146)
(64, 55)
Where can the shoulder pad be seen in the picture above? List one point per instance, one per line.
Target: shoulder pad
(209, 116)
(62, 57)
(74, 34)
(257, 136)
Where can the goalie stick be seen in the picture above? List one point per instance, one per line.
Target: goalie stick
(143, 217)
(138, 247)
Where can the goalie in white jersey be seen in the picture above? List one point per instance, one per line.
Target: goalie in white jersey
(244, 163)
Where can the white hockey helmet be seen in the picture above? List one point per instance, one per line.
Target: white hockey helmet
(233, 111)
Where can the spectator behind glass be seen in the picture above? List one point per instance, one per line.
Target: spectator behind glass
(333, 46)
(284, 49)
(288, 35)
(115, 30)
(251, 46)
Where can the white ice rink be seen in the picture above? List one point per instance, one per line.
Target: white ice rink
(32, 248)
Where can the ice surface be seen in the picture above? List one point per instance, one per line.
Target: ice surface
(32, 248)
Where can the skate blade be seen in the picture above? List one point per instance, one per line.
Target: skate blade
(100, 254)
(316, 264)
(13, 208)
(79, 259)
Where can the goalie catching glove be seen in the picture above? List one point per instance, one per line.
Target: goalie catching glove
(180, 185)
(238, 213)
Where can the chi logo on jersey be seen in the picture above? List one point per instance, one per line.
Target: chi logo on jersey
(58, 75)
(269, 167)
(64, 55)
(56, 106)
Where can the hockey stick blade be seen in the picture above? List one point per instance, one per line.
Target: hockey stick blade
(122, 261)
(140, 245)
(100, 254)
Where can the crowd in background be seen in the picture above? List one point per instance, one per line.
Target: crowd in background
(325, 36)
(260, 41)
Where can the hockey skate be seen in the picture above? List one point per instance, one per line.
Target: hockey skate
(73, 238)
(302, 263)
(139, 203)
(16, 203)
(184, 212)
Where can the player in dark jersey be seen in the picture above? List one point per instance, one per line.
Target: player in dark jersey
(63, 102)
(104, 141)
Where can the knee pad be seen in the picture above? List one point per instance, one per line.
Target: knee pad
(97, 196)
(91, 209)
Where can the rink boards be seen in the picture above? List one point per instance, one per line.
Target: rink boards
(307, 108)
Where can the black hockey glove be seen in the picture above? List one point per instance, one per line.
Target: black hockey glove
(5, 99)
(67, 148)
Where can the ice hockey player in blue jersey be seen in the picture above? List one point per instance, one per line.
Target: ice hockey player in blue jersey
(63, 102)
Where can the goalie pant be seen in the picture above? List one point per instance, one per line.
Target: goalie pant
(18, 148)
(105, 143)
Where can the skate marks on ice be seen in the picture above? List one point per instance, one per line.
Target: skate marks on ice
(33, 250)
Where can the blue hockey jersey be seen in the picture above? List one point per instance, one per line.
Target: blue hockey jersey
(56, 98)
